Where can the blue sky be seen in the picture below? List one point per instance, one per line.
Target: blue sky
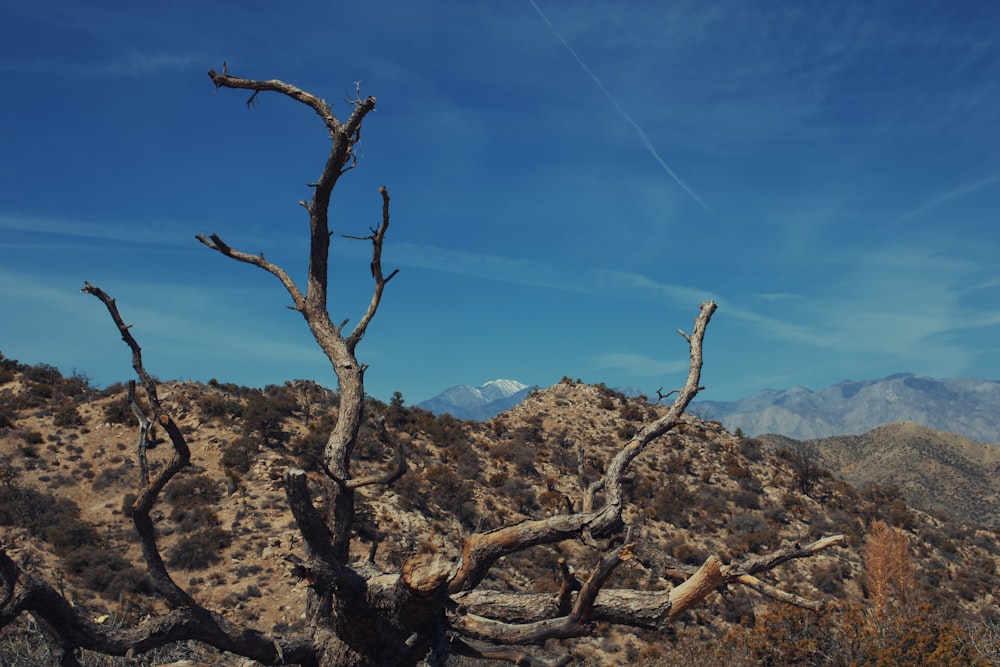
(569, 180)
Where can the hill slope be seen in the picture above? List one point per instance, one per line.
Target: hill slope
(937, 471)
(698, 491)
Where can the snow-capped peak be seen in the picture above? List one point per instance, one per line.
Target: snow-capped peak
(495, 389)
(480, 402)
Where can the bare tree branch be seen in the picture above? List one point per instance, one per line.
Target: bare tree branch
(150, 489)
(483, 549)
(518, 618)
(377, 238)
(388, 477)
(215, 243)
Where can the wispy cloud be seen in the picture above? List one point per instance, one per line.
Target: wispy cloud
(638, 364)
(618, 107)
(950, 195)
(778, 296)
(84, 229)
(520, 271)
(124, 65)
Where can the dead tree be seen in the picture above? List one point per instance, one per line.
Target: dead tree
(432, 607)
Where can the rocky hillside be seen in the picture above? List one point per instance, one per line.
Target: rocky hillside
(67, 468)
(937, 471)
(967, 406)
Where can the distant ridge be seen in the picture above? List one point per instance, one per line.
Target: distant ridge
(936, 471)
(477, 403)
(489, 399)
(966, 406)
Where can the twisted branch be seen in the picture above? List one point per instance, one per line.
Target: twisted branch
(482, 550)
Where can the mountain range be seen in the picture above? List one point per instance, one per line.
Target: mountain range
(477, 403)
(966, 406)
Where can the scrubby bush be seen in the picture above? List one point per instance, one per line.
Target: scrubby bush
(192, 492)
(218, 407)
(118, 411)
(237, 456)
(200, 549)
(265, 413)
(67, 416)
(451, 493)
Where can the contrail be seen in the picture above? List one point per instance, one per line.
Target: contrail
(618, 107)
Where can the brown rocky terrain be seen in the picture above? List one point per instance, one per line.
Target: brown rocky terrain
(228, 536)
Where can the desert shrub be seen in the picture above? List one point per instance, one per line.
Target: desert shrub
(8, 414)
(976, 579)
(749, 531)
(33, 437)
(467, 463)
(751, 448)
(67, 533)
(564, 457)
(795, 504)
(42, 374)
(805, 472)
(217, 407)
(900, 515)
(237, 456)
(678, 463)
(710, 501)
(445, 431)
(8, 367)
(845, 635)
(200, 549)
(448, 491)
(34, 396)
(737, 472)
(190, 519)
(35, 511)
(309, 449)
(67, 416)
(632, 411)
(192, 492)
(829, 578)
(9, 474)
(105, 572)
(746, 499)
(686, 552)
(672, 502)
(521, 494)
(409, 488)
(502, 449)
(627, 430)
(118, 411)
(57, 521)
(553, 501)
(738, 608)
(265, 415)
